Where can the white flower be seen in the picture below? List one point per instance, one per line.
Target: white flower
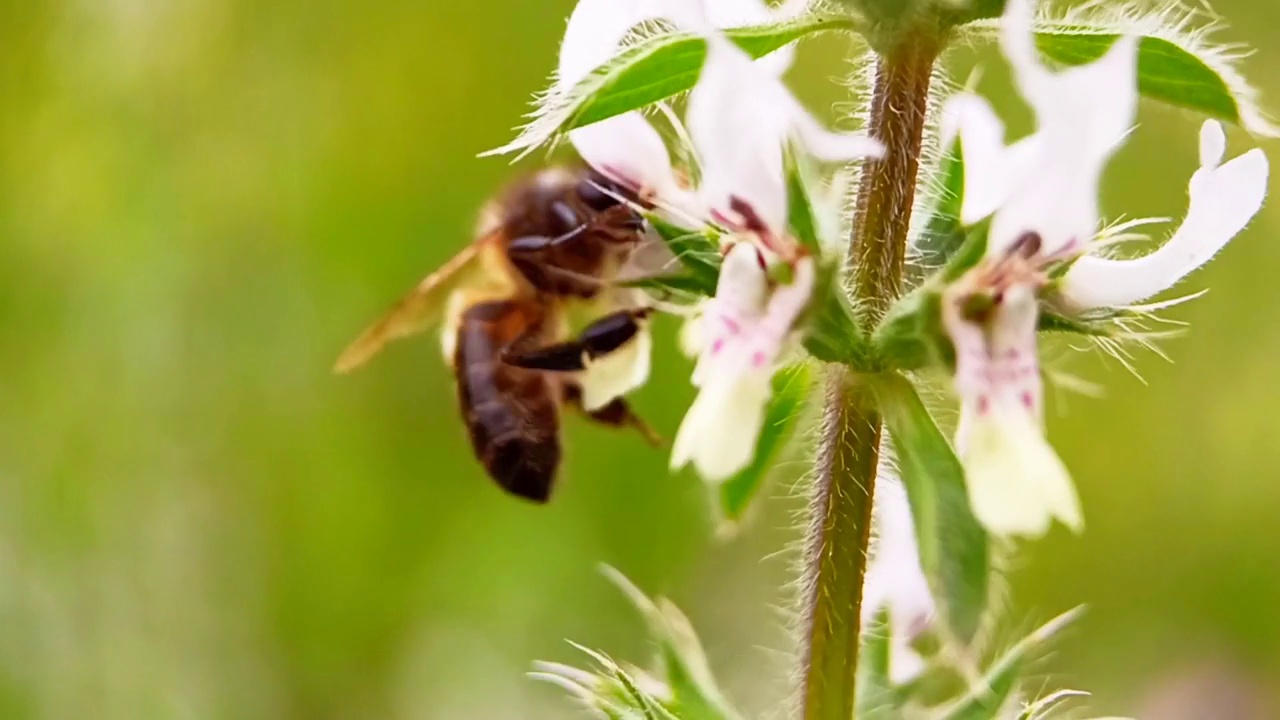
(745, 330)
(1048, 182)
(741, 117)
(895, 579)
(1041, 193)
(1017, 485)
(1224, 198)
(1042, 196)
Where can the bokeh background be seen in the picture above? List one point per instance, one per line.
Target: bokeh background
(202, 200)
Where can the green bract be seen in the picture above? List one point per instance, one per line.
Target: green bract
(875, 691)
(995, 691)
(802, 213)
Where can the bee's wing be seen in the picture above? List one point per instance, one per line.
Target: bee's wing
(422, 306)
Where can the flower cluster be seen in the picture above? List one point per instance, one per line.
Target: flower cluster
(1024, 249)
(1040, 197)
(741, 119)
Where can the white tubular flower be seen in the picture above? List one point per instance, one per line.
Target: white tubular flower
(1046, 183)
(1042, 196)
(895, 579)
(744, 331)
(740, 117)
(1224, 198)
(1017, 485)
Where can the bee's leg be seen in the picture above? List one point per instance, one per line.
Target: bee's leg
(600, 338)
(617, 413)
(531, 246)
(530, 254)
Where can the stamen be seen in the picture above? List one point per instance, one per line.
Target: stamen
(1027, 245)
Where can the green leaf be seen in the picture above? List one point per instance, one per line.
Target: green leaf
(954, 549)
(1052, 321)
(666, 65)
(648, 706)
(803, 218)
(698, 253)
(653, 70)
(954, 13)
(695, 695)
(608, 689)
(968, 254)
(875, 695)
(910, 336)
(1166, 72)
(942, 235)
(682, 289)
(1041, 708)
(790, 391)
(987, 697)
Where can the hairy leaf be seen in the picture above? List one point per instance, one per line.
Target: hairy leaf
(875, 695)
(954, 549)
(834, 332)
(1166, 72)
(803, 215)
(666, 65)
(959, 12)
(987, 697)
(653, 70)
(694, 694)
(680, 289)
(697, 252)
(942, 235)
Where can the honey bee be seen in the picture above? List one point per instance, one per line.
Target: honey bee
(549, 241)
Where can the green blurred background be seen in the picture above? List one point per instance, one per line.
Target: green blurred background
(202, 200)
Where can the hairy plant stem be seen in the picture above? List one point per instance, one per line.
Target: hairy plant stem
(848, 454)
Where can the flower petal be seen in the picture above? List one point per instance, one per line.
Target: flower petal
(969, 119)
(895, 578)
(741, 13)
(739, 303)
(627, 149)
(1082, 115)
(1223, 201)
(720, 431)
(738, 126)
(788, 301)
(1017, 484)
(693, 337)
(827, 145)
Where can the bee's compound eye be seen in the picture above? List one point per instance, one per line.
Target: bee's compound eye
(598, 193)
(566, 219)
